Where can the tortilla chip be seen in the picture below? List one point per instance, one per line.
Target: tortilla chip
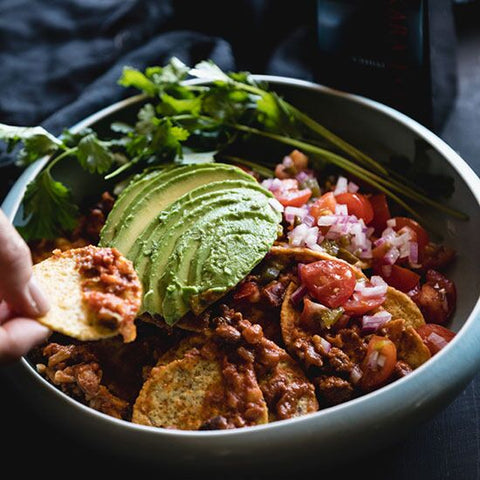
(192, 391)
(410, 346)
(182, 348)
(182, 394)
(61, 279)
(400, 305)
(289, 317)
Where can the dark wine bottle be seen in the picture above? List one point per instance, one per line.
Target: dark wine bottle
(399, 52)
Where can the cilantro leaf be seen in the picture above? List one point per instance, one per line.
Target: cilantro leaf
(155, 79)
(207, 70)
(94, 155)
(168, 138)
(131, 77)
(37, 142)
(48, 208)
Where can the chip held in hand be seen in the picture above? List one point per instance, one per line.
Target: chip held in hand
(94, 293)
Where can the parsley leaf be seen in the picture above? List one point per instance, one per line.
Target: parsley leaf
(48, 208)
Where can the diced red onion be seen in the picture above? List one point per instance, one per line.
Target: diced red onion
(272, 184)
(287, 161)
(341, 209)
(291, 212)
(372, 360)
(437, 340)
(392, 256)
(326, 220)
(303, 235)
(371, 323)
(391, 222)
(352, 187)
(356, 374)
(276, 205)
(302, 176)
(378, 281)
(309, 220)
(341, 186)
(370, 292)
(298, 295)
(381, 360)
(326, 345)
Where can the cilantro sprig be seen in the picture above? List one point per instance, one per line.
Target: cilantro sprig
(187, 122)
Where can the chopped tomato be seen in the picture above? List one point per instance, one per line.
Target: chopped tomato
(290, 196)
(328, 281)
(381, 212)
(435, 336)
(398, 277)
(357, 204)
(378, 364)
(300, 160)
(421, 234)
(359, 306)
(280, 172)
(436, 298)
(326, 204)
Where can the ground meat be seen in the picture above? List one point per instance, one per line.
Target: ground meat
(216, 423)
(110, 287)
(76, 371)
(274, 292)
(350, 342)
(402, 369)
(244, 397)
(333, 390)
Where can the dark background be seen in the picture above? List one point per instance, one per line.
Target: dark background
(60, 61)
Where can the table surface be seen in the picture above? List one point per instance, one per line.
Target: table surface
(448, 446)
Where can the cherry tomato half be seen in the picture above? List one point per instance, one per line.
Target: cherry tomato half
(381, 212)
(328, 281)
(290, 196)
(398, 277)
(422, 237)
(357, 204)
(359, 306)
(435, 337)
(379, 363)
(324, 205)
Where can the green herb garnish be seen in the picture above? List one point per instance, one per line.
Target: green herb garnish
(188, 122)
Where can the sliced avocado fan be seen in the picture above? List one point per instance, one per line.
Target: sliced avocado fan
(193, 232)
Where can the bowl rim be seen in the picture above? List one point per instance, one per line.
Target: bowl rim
(388, 394)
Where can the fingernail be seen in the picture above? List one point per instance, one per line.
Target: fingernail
(39, 301)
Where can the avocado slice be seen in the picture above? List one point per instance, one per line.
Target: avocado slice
(243, 226)
(207, 208)
(204, 274)
(158, 195)
(126, 198)
(188, 207)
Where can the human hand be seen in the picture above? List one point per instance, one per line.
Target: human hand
(21, 300)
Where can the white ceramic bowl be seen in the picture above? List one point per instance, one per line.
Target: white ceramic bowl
(354, 428)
